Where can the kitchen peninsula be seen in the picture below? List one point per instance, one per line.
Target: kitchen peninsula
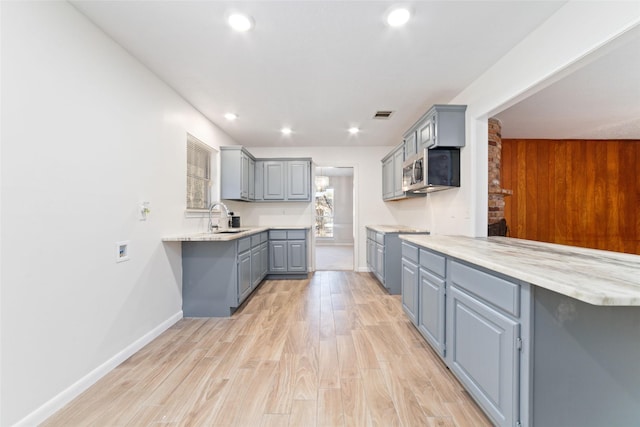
(539, 334)
(221, 269)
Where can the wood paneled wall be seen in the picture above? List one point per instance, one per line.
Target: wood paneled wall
(574, 192)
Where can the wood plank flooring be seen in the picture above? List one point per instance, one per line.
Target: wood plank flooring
(332, 350)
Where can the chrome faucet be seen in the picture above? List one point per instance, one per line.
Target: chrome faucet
(222, 225)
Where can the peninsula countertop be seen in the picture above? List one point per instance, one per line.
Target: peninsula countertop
(593, 276)
(218, 236)
(395, 229)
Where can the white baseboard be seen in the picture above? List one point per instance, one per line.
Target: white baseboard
(363, 270)
(73, 391)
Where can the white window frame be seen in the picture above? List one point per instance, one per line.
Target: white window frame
(199, 152)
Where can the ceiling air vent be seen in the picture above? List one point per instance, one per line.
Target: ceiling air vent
(382, 114)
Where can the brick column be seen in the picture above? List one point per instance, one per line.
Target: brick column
(496, 192)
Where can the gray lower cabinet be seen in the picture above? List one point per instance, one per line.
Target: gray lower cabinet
(384, 254)
(410, 281)
(477, 321)
(244, 275)
(287, 252)
(218, 276)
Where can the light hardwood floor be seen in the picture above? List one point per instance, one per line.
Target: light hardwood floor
(333, 350)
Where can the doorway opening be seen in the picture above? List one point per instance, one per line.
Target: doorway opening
(334, 218)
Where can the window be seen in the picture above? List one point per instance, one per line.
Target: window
(198, 174)
(324, 212)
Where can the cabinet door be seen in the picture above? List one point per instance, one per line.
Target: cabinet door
(410, 145)
(380, 262)
(482, 352)
(370, 254)
(387, 178)
(259, 181)
(256, 267)
(244, 178)
(431, 309)
(264, 260)
(410, 289)
(426, 132)
(398, 159)
(278, 256)
(298, 178)
(297, 255)
(274, 180)
(244, 275)
(252, 179)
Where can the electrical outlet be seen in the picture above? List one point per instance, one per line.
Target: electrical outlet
(122, 251)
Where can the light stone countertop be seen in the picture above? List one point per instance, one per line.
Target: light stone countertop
(593, 276)
(395, 229)
(226, 237)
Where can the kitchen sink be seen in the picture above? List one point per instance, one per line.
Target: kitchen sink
(229, 231)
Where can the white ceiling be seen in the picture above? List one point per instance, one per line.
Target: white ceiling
(319, 67)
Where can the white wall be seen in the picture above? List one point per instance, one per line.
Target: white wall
(87, 132)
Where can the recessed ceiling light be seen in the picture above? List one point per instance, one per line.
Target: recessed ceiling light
(354, 130)
(240, 22)
(398, 17)
(230, 116)
(286, 131)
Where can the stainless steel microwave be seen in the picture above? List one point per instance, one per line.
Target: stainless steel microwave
(431, 170)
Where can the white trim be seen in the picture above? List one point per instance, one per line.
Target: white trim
(57, 402)
(363, 270)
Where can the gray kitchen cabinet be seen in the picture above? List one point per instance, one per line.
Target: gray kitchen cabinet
(274, 177)
(410, 145)
(288, 252)
(431, 306)
(392, 174)
(244, 275)
(251, 180)
(384, 254)
(256, 266)
(287, 180)
(410, 281)
(246, 178)
(483, 354)
(387, 177)
(477, 321)
(236, 173)
(298, 180)
(487, 320)
(440, 126)
(216, 277)
(258, 181)
(264, 259)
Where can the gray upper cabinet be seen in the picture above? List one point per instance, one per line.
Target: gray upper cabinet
(274, 178)
(237, 176)
(298, 179)
(392, 175)
(263, 180)
(410, 145)
(441, 126)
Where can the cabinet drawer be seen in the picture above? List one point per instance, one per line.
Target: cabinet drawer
(410, 252)
(244, 244)
(277, 234)
(371, 234)
(264, 236)
(380, 238)
(434, 263)
(495, 290)
(255, 240)
(296, 234)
